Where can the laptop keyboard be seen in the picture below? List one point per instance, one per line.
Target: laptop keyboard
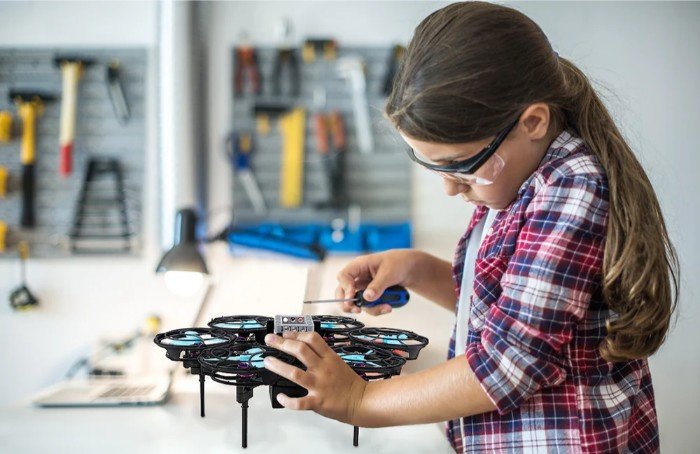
(126, 391)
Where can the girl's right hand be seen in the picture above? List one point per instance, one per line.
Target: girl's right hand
(373, 273)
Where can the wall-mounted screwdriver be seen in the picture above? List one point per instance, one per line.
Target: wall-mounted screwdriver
(394, 296)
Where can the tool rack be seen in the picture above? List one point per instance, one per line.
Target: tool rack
(99, 134)
(379, 183)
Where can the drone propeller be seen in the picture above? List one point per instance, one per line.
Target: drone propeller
(243, 325)
(185, 344)
(406, 344)
(370, 363)
(336, 324)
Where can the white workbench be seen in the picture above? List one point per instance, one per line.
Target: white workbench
(176, 427)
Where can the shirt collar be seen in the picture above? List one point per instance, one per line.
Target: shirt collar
(566, 143)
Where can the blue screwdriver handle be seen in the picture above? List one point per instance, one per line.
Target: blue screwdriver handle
(395, 296)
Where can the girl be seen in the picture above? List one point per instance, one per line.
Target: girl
(565, 280)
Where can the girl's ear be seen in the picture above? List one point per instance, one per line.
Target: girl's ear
(536, 119)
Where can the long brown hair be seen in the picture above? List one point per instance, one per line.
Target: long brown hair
(469, 68)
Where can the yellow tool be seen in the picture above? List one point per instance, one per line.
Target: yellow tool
(5, 126)
(31, 106)
(3, 181)
(29, 111)
(328, 47)
(292, 173)
(3, 236)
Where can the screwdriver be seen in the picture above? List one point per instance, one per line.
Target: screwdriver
(394, 296)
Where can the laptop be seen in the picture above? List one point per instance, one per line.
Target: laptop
(106, 392)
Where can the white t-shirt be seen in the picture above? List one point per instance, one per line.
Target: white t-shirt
(480, 231)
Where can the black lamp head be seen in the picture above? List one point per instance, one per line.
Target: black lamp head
(184, 255)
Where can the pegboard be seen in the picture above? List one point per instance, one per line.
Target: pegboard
(379, 183)
(98, 133)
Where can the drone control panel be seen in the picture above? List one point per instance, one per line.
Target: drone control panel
(231, 350)
(293, 324)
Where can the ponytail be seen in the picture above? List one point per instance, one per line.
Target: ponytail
(640, 266)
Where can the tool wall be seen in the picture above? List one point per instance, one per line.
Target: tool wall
(107, 141)
(378, 182)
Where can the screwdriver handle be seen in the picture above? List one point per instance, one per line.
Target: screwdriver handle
(395, 296)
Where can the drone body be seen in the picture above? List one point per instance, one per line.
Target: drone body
(232, 351)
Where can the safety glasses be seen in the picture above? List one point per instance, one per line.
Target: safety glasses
(481, 169)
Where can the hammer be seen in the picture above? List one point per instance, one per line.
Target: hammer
(72, 70)
(30, 105)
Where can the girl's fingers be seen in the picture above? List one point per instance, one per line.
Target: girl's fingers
(379, 284)
(346, 279)
(298, 403)
(349, 306)
(345, 306)
(315, 342)
(298, 349)
(291, 373)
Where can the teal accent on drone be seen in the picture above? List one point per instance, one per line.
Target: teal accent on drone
(358, 359)
(191, 339)
(391, 339)
(252, 356)
(245, 324)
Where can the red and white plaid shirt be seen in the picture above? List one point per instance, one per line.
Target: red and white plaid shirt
(537, 320)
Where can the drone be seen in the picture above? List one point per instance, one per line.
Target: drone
(231, 350)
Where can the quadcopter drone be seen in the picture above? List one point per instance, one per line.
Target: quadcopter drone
(231, 350)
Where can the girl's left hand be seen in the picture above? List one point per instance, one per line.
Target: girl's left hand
(335, 391)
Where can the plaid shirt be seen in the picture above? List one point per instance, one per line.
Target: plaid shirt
(537, 319)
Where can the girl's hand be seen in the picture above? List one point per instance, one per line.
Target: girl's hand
(373, 273)
(335, 391)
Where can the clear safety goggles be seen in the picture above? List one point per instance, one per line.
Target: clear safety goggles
(480, 169)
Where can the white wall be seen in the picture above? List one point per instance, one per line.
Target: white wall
(647, 54)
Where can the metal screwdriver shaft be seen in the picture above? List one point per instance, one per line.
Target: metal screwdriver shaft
(395, 296)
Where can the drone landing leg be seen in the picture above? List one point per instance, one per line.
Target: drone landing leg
(355, 435)
(244, 428)
(201, 394)
(243, 395)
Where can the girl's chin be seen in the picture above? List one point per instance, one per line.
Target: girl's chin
(472, 201)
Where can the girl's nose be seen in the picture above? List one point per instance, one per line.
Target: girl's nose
(453, 187)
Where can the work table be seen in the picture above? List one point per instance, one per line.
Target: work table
(177, 427)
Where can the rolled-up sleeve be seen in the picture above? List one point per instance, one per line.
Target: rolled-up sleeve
(546, 290)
